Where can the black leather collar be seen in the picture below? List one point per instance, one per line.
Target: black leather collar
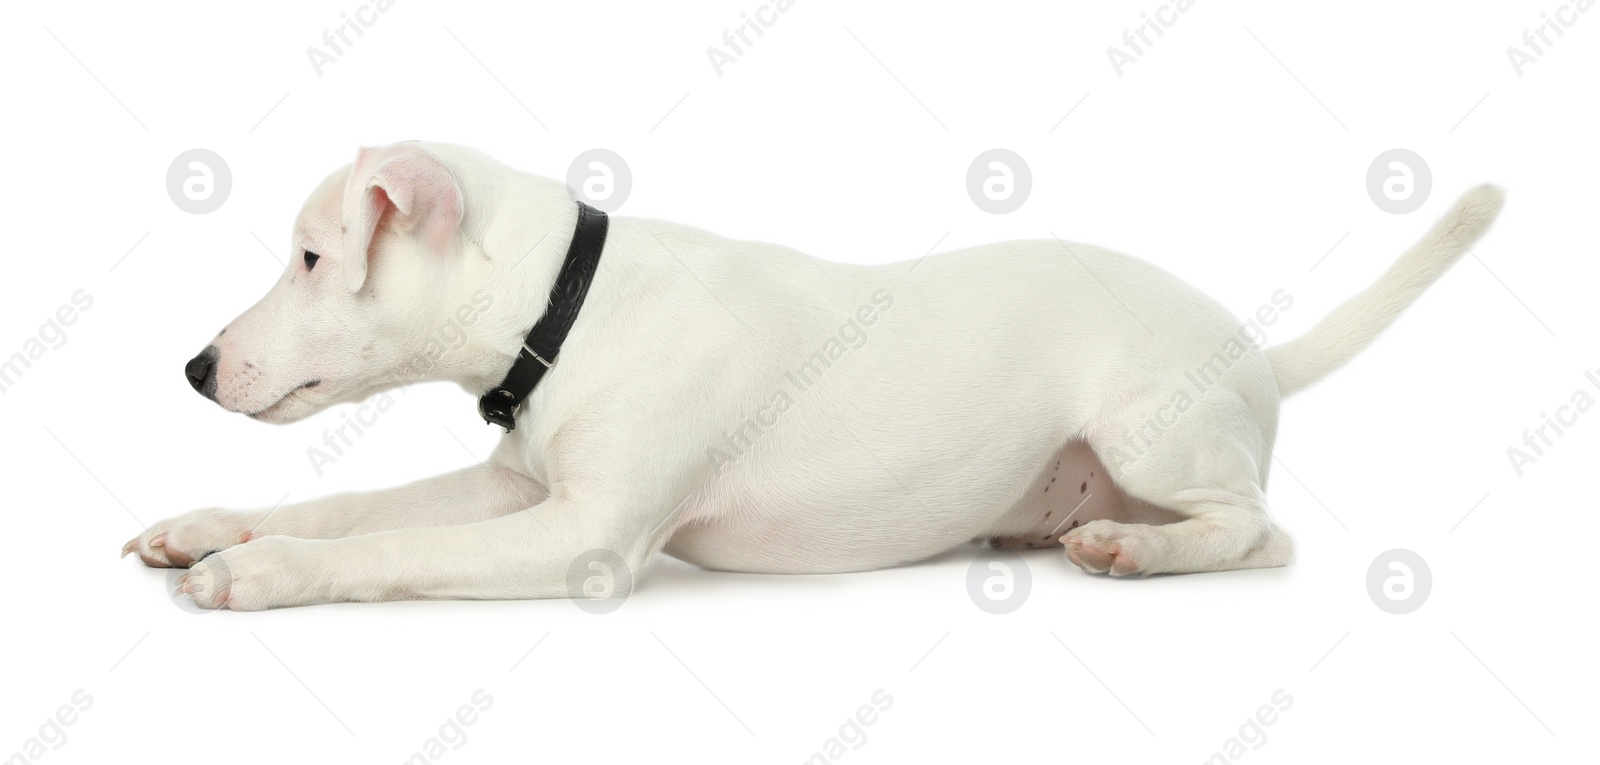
(543, 343)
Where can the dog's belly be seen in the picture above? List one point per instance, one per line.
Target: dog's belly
(760, 534)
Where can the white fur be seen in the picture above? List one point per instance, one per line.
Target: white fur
(659, 426)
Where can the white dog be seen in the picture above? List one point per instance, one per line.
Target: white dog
(745, 407)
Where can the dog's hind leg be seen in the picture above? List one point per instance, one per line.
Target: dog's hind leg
(1210, 472)
(1224, 531)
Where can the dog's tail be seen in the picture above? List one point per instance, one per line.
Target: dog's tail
(1350, 327)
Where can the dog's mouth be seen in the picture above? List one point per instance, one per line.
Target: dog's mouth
(286, 398)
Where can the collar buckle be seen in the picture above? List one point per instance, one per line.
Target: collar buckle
(536, 356)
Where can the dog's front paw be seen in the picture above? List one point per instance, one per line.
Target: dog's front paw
(1100, 547)
(182, 540)
(267, 573)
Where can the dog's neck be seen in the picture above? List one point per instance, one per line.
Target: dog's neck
(521, 226)
(542, 345)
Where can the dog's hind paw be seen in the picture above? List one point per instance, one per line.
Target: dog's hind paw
(1101, 547)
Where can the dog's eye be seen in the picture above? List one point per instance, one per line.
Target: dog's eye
(311, 260)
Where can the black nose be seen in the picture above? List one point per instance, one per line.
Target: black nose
(202, 372)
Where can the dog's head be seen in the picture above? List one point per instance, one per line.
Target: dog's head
(378, 256)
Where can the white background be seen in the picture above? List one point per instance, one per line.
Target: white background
(1207, 156)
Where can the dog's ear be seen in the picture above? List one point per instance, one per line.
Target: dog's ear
(405, 187)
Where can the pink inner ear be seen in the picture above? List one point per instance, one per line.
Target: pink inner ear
(417, 185)
(378, 203)
(429, 197)
(396, 188)
(422, 190)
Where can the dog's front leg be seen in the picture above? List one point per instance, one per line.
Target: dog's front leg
(528, 554)
(469, 495)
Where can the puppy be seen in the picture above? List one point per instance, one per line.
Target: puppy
(743, 406)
